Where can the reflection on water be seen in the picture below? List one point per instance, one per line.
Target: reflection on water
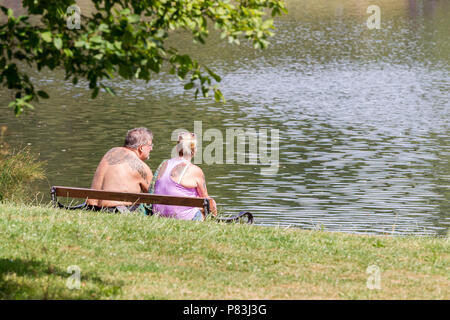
(363, 118)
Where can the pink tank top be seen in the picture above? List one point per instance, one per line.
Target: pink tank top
(166, 186)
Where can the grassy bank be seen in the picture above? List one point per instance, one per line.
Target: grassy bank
(129, 257)
(18, 168)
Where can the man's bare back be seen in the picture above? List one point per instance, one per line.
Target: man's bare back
(122, 169)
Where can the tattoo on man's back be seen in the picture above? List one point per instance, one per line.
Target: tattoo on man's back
(115, 156)
(137, 165)
(119, 156)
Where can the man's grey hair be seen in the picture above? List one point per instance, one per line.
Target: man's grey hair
(137, 137)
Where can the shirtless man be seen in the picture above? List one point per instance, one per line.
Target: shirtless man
(123, 169)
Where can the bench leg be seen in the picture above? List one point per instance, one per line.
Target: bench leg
(206, 207)
(54, 199)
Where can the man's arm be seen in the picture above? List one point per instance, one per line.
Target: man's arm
(145, 184)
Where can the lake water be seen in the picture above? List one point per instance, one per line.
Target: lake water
(363, 119)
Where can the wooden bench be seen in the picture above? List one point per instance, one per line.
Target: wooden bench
(138, 198)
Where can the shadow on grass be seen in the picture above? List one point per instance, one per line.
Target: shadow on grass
(29, 279)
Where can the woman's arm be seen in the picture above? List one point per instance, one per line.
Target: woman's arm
(203, 192)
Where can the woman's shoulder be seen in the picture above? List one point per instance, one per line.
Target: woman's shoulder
(180, 166)
(196, 170)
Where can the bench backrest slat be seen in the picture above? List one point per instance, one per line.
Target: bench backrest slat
(129, 197)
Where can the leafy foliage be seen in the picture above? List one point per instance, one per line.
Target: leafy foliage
(124, 37)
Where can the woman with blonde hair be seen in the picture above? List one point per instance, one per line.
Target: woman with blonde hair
(179, 177)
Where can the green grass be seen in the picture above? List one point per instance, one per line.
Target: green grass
(18, 168)
(137, 257)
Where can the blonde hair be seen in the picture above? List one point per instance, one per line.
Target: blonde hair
(187, 144)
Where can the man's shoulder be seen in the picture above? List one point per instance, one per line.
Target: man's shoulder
(117, 155)
(145, 165)
(117, 149)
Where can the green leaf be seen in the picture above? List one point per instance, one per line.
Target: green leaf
(46, 36)
(161, 34)
(58, 43)
(43, 94)
(214, 75)
(134, 18)
(103, 27)
(125, 12)
(218, 95)
(29, 106)
(188, 86)
(96, 39)
(109, 90)
(267, 24)
(68, 53)
(79, 43)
